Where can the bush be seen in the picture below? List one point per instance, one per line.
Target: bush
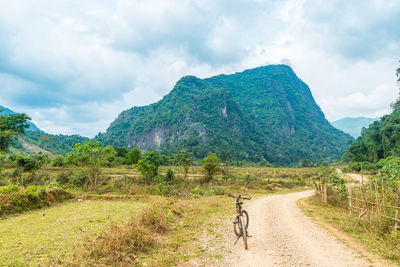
(169, 177)
(58, 161)
(80, 179)
(64, 177)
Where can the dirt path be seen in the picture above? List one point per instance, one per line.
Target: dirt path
(281, 235)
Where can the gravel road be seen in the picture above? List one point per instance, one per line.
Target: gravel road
(281, 235)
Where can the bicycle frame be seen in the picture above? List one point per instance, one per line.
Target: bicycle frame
(239, 207)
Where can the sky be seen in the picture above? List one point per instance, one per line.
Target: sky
(74, 65)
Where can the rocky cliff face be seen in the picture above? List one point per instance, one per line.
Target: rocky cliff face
(262, 113)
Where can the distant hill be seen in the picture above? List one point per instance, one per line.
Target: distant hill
(35, 140)
(353, 126)
(32, 127)
(266, 113)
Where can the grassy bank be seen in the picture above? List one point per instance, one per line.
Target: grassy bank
(16, 199)
(362, 234)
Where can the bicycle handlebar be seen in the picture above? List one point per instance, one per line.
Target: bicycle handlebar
(239, 197)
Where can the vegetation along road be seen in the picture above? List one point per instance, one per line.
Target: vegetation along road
(281, 235)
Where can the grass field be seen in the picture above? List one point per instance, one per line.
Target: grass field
(58, 234)
(34, 237)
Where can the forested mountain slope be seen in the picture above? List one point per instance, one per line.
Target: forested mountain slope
(262, 113)
(380, 140)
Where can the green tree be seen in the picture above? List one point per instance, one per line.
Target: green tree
(10, 126)
(148, 165)
(305, 163)
(93, 155)
(134, 156)
(210, 166)
(184, 159)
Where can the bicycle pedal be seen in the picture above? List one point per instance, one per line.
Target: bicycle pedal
(235, 222)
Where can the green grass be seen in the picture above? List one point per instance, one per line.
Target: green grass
(34, 237)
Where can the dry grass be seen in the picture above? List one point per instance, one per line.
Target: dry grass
(362, 230)
(122, 245)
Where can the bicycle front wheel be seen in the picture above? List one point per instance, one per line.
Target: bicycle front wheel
(236, 226)
(243, 231)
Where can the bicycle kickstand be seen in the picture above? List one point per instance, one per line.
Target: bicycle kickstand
(237, 240)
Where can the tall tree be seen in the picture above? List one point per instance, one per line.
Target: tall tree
(10, 126)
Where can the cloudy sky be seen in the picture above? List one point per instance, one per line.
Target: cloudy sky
(74, 65)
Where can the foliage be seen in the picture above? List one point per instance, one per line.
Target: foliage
(169, 176)
(305, 163)
(210, 166)
(11, 125)
(267, 112)
(58, 161)
(93, 155)
(389, 173)
(148, 165)
(338, 183)
(134, 156)
(184, 159)
(148, 171)
(56, 144)
(31, 163)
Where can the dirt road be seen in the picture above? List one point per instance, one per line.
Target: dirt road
(281, 235)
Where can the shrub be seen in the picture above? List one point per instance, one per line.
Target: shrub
(169, 177)
(81, 178)
(58, 161)
(64, 177)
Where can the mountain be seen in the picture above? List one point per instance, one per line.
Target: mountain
(353, 126)
(32, 127)
(380, 140)
(262, 113)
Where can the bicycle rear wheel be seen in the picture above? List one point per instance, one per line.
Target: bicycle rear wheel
(236, 223)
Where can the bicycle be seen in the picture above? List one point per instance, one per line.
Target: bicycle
(241, 223)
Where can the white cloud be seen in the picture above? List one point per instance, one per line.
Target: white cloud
(74, 66)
